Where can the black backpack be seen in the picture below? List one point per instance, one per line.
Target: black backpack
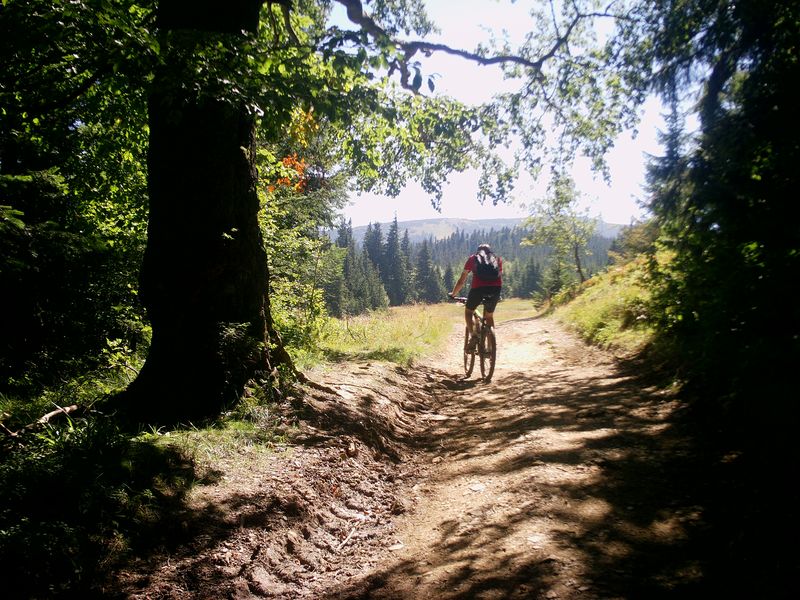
(486, 265)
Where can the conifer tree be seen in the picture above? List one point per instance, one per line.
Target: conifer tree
(352, 279)
(449, 278)
(344, 233)
(394, 270)
(530, 279)
(428, 278)
(407, 254)
(337, 292)
(374, 294)
(557, 276)
(373, 245)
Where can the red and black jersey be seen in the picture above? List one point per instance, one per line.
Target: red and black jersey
(477, 282)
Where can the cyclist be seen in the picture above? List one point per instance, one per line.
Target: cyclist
(487, 270)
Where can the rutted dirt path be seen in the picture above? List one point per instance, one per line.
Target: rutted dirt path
(550, 482)
(562, 478)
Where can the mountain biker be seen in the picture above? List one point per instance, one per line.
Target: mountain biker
(485, 287)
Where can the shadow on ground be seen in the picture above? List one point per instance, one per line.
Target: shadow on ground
(658, 491)
(78, 499)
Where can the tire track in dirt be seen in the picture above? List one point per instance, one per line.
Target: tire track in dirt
(559, 479)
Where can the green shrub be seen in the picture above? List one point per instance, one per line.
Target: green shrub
(611, 309)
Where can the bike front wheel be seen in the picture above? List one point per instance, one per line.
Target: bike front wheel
(469, 356)
(488, 353)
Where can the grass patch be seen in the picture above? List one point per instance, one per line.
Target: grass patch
(515, 308)
(255, 427)
(20, 406)
(610, 309)
(400, 335)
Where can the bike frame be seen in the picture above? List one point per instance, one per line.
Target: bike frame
(485, 349)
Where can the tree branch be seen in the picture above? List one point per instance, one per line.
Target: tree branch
(356, 14)
(73, 95)
(286, 10)
(429, 48)
(40, 421)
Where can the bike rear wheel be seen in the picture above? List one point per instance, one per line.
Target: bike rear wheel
(488, 353)
(469, 356)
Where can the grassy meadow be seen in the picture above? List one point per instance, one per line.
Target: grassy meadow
(400, 334)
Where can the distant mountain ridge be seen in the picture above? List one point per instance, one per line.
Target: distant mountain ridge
(424, 229)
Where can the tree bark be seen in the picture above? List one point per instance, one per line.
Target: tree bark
(576, 250)
(204, 276)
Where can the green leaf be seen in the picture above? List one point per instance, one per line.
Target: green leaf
(417, 83)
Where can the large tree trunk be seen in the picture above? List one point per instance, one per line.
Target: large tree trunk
(204, 277)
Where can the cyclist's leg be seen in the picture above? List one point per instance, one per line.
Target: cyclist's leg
(470, 336)
(474, 299)
(468, 316)
(490, 299)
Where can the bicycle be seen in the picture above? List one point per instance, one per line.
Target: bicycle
(485, 348)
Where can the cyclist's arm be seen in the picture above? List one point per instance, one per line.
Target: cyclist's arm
(460, 283)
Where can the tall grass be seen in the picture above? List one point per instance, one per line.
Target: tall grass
(400, 334)
(610, 309)
(515, 308)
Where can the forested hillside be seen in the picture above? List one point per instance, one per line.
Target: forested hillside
(425, 229)
(425, 270)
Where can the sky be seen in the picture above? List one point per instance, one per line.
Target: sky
(471, 83)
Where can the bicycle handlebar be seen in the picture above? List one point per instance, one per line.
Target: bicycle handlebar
(459, 299)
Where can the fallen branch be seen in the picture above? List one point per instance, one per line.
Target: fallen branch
(59, 410)
(7, 431)
(349, 535)
(124, 366)
(44, 419)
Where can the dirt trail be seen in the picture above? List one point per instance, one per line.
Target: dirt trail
(562, 478)
(550, 482)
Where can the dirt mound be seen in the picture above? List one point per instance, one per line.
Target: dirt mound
(289, 524)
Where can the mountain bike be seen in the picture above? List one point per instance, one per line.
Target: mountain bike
(484, 347)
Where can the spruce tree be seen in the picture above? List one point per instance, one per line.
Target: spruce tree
(449, 278)
(530, 280)
(344, 233)
(409, 281)
(373, 245)
(428, 278)
(374, 294)
(394, 270)
(337, 292)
